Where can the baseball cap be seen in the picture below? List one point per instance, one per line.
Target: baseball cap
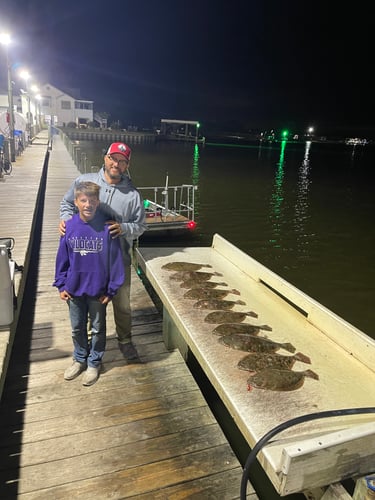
(121, 149)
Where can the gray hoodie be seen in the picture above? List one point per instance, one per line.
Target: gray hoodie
(121, 202)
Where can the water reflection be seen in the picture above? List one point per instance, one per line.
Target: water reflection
(277, 199)
(302, 213)
(195, 178)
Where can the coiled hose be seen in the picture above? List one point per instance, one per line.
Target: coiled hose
(289, 423)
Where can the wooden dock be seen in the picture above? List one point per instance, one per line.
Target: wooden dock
(143, 430)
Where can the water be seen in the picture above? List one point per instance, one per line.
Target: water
(304, 210)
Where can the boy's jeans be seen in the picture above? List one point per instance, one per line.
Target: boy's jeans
(81, 309)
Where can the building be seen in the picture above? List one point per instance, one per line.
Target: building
(61, 108)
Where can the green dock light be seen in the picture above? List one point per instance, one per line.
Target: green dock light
(285, 134)
(146, 203)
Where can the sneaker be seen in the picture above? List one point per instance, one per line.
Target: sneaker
(74, 370)
(129, 351)
(91, 375)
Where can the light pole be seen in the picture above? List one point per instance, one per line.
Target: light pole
(25, 75)
(5, 40)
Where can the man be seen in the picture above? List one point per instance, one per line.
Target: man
(123, 205)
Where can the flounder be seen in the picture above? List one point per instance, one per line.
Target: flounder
(217, 304)
(251, 343)
(244, 328)
(197, 276)
(197, 284)
(256, 361)
(275, 379)
(228, 316)
(208, 293)
(183, 266)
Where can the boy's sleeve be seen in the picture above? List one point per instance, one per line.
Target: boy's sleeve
(116, 267)
(62, 265)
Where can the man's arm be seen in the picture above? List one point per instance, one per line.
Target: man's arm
(67, 207)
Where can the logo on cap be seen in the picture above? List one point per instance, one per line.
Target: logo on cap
(122, 147)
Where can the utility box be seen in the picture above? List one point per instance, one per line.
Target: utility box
(7, 267)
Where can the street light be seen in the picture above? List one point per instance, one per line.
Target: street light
(5, 40)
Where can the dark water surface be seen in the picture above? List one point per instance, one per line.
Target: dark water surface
(304, 210)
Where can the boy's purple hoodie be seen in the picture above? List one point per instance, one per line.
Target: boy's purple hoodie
(89, 261)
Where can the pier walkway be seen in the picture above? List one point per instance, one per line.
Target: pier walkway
(143, 430)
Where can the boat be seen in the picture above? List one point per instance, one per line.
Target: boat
(169, 208)
(356, 141)
(180, 130)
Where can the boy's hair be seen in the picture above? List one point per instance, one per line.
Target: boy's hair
(88, 188)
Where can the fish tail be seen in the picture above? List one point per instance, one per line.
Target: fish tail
(301, 357)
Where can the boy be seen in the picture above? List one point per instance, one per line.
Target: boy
(89, 271)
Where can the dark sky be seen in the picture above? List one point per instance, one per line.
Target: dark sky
(242, 64)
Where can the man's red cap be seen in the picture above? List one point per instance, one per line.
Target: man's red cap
(121, 149)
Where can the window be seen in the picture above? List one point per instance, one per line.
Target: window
(83, 105)
(65, 105)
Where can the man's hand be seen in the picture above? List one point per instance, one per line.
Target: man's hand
(62, 228)
(114, 228)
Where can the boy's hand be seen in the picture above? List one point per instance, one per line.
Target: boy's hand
(64, 295)
(104, 299)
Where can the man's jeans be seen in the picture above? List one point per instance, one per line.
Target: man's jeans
(82, 309)
(122, 310)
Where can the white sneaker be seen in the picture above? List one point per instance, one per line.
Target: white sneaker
(91, 375)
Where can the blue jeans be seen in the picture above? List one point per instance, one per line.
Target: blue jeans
(82, 309)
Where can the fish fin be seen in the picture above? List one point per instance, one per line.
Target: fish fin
(252, 314)
(240, 302)
(206, 265)
(265, 327)
(235, 292)
(288, 347)
(249, 387)
(222, 283)
(217, 274)
(311, 374)
(301, 357)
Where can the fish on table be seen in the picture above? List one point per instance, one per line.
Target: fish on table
(244, 328)
(197, 276)
(208, 293)
(253, 343)
(218, 304)
(228, 316)
(183, 266)
(275, 379)
(192, 283)
(257, 361)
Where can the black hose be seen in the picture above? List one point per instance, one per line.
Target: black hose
(289, 423)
